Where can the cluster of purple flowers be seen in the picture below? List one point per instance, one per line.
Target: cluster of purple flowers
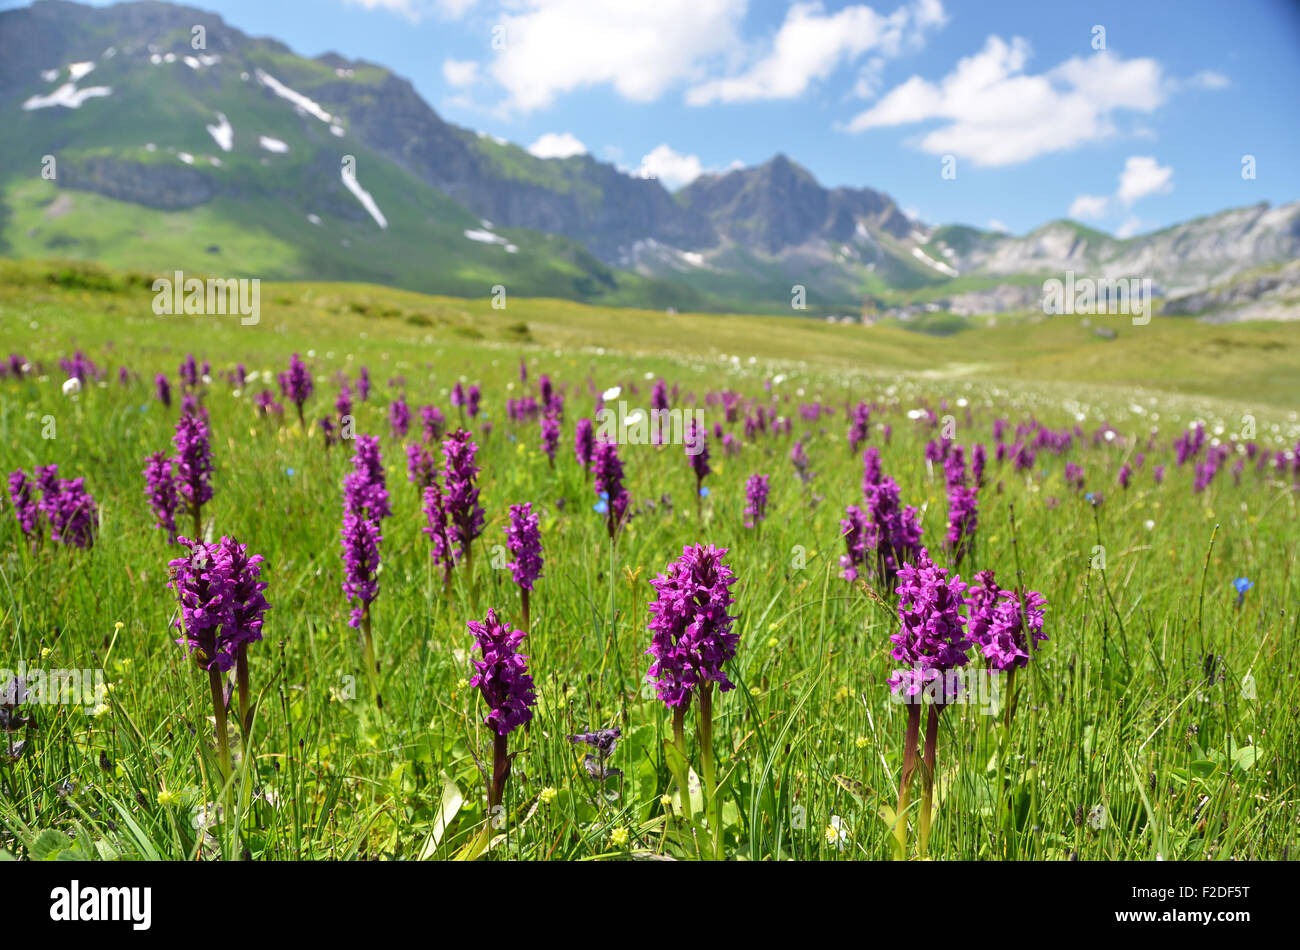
(296, 384)
(584, 442)
(65, 505)
(464, 514)
(399, 418)
(884, 538)
(998, 626)
(432, 423)
(220, 589)
(192, 467)
(859, 426)
(550, 436)
(365, 503)
(697, 450)
(963, 503)
(421, 469)
(691, 631)
(756, 492)
(608, 472)
(161, 490)
(524, 541)
(932, 637)
(502, 675)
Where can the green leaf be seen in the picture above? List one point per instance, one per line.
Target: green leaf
(1245, 758)
(48, 844)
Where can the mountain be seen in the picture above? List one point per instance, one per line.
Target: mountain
(130, 142)
(1181, 259)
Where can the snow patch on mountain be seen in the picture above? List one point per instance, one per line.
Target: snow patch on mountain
(68, 96)
(310, 106)
(222, 133)
(350, 182)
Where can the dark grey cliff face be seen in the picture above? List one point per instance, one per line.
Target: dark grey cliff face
(779, 205)
(168, 187)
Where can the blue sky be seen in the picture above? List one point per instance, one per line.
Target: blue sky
(1031, 118)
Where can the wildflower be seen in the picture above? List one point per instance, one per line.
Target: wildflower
(364, 488)
(421, 469)
(618, 837)
(550, 436)
(296, 384)
(584, 443)
(1241, 585)
(343, 404)
(547, 795)
(161, 489)
(860, 426)
(608, 471)
(525, 544)
(464, 514)
(603, 742)
(163, 390)
(756, 492)
(432, 423)
(192, 467)
(25, 509)
(502, 674)
(837, 832)
(799, 458)
(361, 537)
(435, 514)
(67, 506)
(931, 640)
(399, 418)
(691, 630)
(932, 637)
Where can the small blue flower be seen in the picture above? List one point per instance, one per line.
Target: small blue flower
(1242, 584)
(704, 491)
(1088, 496)
(601, 506)
(288, 471)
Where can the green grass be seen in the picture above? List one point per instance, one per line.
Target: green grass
(1116, 712)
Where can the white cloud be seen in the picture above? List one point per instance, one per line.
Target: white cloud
(1142, 176)
(557, 46)
(414, 10)
(871, 77)
(557, 145)
(1209, 79)
(1128, 228)
(811, 44)
(1089, 206)
(672, 169)
(996, 114)
(460, 72)
(996, 225)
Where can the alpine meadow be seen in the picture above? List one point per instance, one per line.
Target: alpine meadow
(380, 490)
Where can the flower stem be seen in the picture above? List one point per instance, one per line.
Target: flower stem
(905, 780)
(372, 662)
(219, 715)
(927, 777)
(712, 803)
(245, 697)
